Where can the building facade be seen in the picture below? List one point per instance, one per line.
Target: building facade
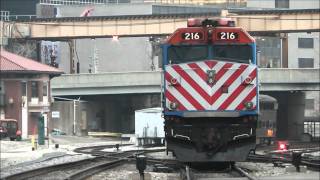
(303, 52)
(25, 91)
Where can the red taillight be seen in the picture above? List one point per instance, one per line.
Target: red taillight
(282, 145)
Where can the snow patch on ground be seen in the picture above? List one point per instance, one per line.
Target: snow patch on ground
(267, 169)
(17, 156)
(132, 148)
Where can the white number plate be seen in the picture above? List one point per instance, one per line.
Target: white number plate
(227, 35)
(192, 36)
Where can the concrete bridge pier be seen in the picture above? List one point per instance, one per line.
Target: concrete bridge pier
(290, 114)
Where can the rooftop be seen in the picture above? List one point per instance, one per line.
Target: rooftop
(13, 63)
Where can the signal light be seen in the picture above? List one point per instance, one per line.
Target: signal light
(269, 132)
(282, 145)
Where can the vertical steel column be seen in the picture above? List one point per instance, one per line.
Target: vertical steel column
(72, 53)
(284, 50)
(41, 130)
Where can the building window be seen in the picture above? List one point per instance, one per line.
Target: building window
(267, 106)
(309, 103)
(312, 128)
(282, 4)
(45, 88)
(2, 97)
(305, 62)
(24, 88)
(34, 89)
(305, 42)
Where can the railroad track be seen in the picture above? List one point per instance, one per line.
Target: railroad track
(83, 168)
(108, 160)
(310, 163)
(234, 172)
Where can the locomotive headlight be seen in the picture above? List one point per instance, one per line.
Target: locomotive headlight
(248, 105)
(173, 105)
(211, 76)
(174, 81)
(248, 80)
(210, 81)
(211, 73)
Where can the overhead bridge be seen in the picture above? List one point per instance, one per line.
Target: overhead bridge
(255, 21)
(150, 82)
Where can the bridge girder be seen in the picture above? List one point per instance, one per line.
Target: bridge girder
(93, 27)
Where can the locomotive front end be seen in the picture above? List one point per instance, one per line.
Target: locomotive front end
(210, 92)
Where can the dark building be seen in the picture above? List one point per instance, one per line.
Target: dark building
(19, 8)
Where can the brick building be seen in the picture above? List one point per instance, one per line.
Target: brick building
(25, 91)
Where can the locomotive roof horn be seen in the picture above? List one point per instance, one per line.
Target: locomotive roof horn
(220, 22)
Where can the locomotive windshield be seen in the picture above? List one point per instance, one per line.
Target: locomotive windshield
(182, 54)
(238, 53)
(233, 53)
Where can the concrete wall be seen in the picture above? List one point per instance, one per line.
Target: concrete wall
(304, 4)
(290, 114)
(315, 111)
(102, 113)
(122, 9)
(66, 120)
(293, 4)
(105, 10)
(296, 106)
(261, 3)
(294, 52)
(126, 54)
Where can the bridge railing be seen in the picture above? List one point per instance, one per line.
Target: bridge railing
(224, 3)
(72, 2)
(4, 15)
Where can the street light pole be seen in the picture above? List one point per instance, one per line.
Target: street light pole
(74, 117)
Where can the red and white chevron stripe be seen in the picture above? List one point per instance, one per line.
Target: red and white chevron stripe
(192, 91)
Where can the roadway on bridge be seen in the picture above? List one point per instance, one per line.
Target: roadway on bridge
(271, 79)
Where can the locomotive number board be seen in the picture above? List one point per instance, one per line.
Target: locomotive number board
(228, 36)
(192, 36)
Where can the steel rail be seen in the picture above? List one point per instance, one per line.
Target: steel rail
(46, 169)
(243, 173)
(87, 172)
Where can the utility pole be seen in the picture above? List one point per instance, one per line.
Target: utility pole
(95, 57)
(72, 56)
(284, 50)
